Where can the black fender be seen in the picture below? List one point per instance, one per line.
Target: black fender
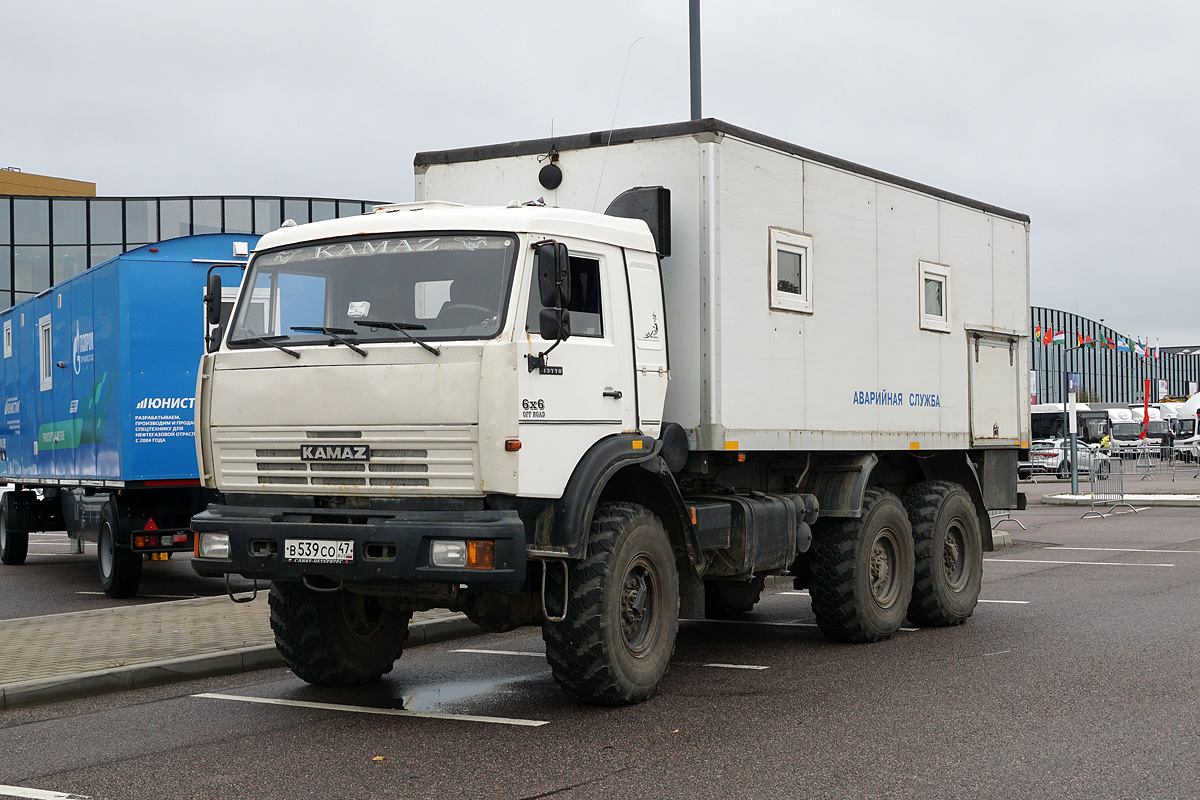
(592, 476)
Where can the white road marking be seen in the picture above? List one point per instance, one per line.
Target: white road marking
(38, 794)
(390, 712)
(167, 596)
(1123, 550)
(1081, 563)
(800, 594)
(502, 652)
(1014, 602)
(775, 624)
(997, 653)
(734, 666)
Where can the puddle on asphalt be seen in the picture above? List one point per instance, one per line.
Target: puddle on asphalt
(437, 696)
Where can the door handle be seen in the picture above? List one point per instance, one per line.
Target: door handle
(610, 392)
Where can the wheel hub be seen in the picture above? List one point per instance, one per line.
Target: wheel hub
(952, 556)
(885, 583)
(639, 595)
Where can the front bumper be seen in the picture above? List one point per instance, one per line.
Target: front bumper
(391, 547)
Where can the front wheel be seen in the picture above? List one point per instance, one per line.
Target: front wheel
(120, 567)
(13, 546)
(1102, 469)
(337, 638)
(949, 551)
(622, 612)
(862, 571)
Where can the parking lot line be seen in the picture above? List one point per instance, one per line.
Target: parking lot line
(1080, 563)
(501, 652)
(734, 666)
(390, 712)
(38, 794)
(1121, 550)
(775, 624)
(1013, 602)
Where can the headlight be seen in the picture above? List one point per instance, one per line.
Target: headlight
(445, 553)
(214, 545)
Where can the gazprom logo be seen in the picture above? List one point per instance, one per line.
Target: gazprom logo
(162, 403)
(82, 348)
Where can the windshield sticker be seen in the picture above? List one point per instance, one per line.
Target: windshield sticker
(359, 309)
(376, 247)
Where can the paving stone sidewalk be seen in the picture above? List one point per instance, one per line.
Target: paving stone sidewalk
(62, 655)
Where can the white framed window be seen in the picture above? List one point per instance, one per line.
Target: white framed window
(45, 353)
(935, 297)
(791, 270)
(7, 338)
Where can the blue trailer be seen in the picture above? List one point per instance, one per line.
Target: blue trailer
(99, 381)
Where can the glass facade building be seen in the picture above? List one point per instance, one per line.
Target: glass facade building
(46, 239)
(1106, 375)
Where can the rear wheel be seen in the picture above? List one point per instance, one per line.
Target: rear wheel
(731, 599)
(949, 551)
(13, 546)
(337, 638)
(120, 567)
(1064, 469)
(622, 613)
(862, 571)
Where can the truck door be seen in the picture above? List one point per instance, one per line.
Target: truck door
(649, 339)
(995, 389)
(587, 391)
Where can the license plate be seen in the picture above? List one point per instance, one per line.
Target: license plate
(318, 551)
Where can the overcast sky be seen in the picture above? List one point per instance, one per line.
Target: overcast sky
(1083, 115)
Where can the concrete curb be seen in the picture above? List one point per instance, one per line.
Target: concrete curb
(188, 668)
(1165, 500)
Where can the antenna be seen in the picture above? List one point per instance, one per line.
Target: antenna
(612, 124)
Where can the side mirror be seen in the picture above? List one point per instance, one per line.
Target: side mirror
(553, 263)
(212, 299)
(555, 324)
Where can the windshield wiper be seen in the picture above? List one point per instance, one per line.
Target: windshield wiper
(403, 328)
(271, 341)
(335, 334)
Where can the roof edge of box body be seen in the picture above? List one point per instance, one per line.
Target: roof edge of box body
(696, 127)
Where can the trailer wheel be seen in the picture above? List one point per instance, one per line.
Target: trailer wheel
(731, 599)
(862, 571)
(949, 553)
(336, 638)
(13, 546)
(120, 567)
(622, 613)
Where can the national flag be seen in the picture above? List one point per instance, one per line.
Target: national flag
(1109, 344)
(1078, 340)
(1060, 337)
(1122, 344)
(1156, 353)
(1037, 333)
(1138, 350)
(1047, 336)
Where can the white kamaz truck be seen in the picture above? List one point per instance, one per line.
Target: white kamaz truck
(760, 360)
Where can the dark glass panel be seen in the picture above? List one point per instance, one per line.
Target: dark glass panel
(106, 222)
(175, 219)
(350, 209)
(206, 215)
(70, 221)
(323, 209)
(5, 230)
(31, 269)
(266, 215)
(69, 261)
(237, 215)
(31, 221)
(141, 220)
(102, 253)
(296, 210)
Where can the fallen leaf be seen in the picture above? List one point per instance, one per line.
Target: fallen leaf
(379, 758)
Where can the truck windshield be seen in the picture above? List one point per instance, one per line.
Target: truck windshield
(441, 287)
(1185, 427)
(1126, 430)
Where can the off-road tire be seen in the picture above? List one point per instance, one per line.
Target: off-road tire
(316, 634)
(622, 613)
(13, 546)
(949, 551)
(120, 567)
(731, 599)
(862, 571)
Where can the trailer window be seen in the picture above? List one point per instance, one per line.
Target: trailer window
(45, 353)
(7, 338)
(791, 270)
(585, 299)
(935, 297)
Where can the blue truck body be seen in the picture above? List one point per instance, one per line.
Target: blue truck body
(110, 401)
(99, 380)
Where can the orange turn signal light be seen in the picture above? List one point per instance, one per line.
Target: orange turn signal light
(481, 554)
(512, 445)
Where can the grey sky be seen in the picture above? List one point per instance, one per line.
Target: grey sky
(1081, 114)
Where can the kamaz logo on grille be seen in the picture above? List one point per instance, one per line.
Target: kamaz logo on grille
(335, 452)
